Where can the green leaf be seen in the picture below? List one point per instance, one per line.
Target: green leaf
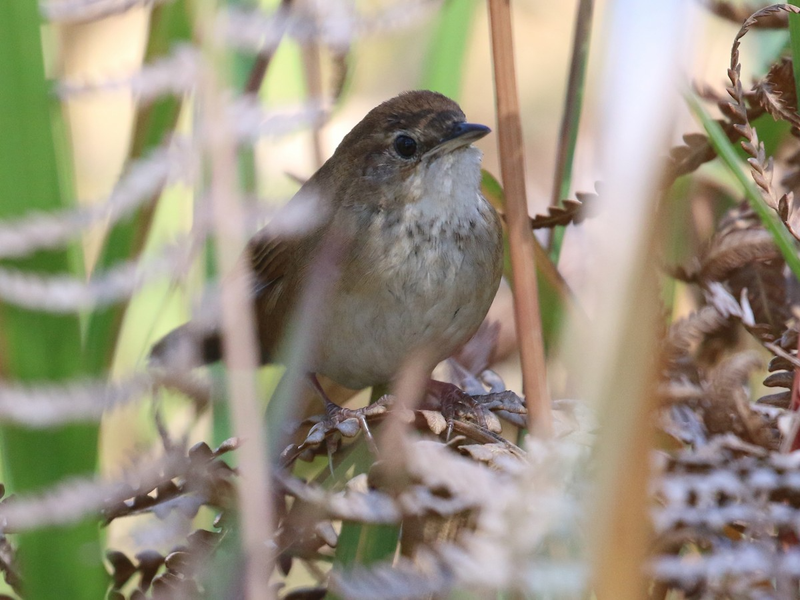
(169, 24)
(570, 123)
(63, 562)
(553, 296)
(444, 65)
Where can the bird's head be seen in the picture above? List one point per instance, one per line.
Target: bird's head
(411, 144)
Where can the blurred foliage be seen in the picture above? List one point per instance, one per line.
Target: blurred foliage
(35, 347)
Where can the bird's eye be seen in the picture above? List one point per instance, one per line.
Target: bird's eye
(405, 146)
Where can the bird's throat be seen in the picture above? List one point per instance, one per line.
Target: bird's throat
(445, 187)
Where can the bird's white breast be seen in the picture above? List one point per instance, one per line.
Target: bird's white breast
(430, 281)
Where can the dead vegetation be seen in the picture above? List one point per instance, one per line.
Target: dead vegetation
(455, 501)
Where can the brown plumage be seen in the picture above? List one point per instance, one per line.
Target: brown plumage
(421, 254)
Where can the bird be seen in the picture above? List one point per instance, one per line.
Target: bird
(419, 249)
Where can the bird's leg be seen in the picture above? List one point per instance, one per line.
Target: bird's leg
(331, 408)
(336, 416)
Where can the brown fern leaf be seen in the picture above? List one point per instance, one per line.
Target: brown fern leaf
(791, 180)
(729, 409)
(766, 292)
(738, 13)
(743, 257)
(730, 252)
(686, 337)
(789, 212)
(697, 149)
(760, 166)
(788, 205)
(695, 152)
(572, 211)
(777, 95)
(781, 369)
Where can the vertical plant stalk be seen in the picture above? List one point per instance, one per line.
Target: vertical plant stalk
(521, 242)
(169, 24)
(570, 121)
(443, 69)
(794, 33)
(238, 329)
(313, 72)
(618, 361)
(625, 464)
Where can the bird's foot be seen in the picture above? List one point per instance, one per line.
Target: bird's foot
(453, 404)
(456, 405)
(347, 422)
(482, 409)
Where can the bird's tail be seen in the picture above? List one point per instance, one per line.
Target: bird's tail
(187, 347)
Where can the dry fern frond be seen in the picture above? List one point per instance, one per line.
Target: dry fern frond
(90, 10)
(776, 93)
(726, 521)
(65, 294)
(697, 148)
(175, 75)
(695, 152)
(729, 409)
(426, 576)
(789, 209)
(738, 13)
(782, 369)
(731, 251)
(791, 180)
(764, 287)
(743, 256)
(572, 211)
(181, 567)
(52, 404)
(137, 187)
(686, 335)
(760, 166)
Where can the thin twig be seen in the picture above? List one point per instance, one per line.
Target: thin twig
(263, 59)
(238, 340)
(313, 75)
(521, 242)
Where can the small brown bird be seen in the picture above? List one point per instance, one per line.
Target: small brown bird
(421, 257)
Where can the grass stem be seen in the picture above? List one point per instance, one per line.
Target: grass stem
(521, 242)
(570, 121)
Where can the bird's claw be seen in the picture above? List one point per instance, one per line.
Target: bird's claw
(453, 404)
(347, 422)
(456, 404)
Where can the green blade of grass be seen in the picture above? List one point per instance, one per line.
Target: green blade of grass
(554, 296)
(62, 562)
(570, 123)
(726, 151)
(169, 25)
(444, 67)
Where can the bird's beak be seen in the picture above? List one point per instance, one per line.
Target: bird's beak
(463, 134)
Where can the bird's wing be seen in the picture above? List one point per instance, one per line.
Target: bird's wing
(269, 260)
(284, 246)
